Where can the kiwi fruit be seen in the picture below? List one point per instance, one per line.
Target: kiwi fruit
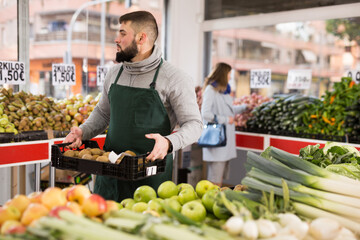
(83, 152)
(87, 156)
(102, 159)
(106, 154)
(95, 151)
(76, 153)
(69, 153)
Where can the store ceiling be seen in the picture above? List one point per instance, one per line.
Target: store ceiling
(231, 8)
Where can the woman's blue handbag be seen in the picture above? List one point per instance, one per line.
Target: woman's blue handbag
(213, 135)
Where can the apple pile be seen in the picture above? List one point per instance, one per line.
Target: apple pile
(251, 101)
(23, 211)
(195, 204)
(77, 109)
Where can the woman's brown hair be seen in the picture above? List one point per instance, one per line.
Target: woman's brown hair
(220, 76)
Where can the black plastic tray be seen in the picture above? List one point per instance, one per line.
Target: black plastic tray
(130, 168)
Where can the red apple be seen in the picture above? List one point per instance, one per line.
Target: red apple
(55, 211)
(83, 110)
(9, 213)
(75, 208)
(113, 206)
(33, 212)
(94, 205)
(9, 225)
(35, 197)
(78, 193)
(53, 197)
(21, 202)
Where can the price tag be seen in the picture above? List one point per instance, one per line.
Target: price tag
(299, 79)
(101, 72)
(63, 74)
(260, 78)
(354, 74)
(151, 170)
(12, 73)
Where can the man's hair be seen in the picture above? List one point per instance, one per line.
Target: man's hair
(142, 21)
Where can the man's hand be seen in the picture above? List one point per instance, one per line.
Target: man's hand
(74, 137)
(161, 147)
(231, 120)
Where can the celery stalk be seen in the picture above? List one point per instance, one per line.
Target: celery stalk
(308, 180)
(274, 180)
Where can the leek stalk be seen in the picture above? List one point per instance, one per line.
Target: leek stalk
(308, 180)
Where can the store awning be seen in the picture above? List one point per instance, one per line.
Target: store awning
(309, 56)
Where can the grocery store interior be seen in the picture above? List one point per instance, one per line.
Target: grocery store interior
(295, 64)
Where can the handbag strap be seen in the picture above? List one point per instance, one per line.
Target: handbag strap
(215, 119)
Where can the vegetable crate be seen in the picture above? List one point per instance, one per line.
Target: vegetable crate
(130, 168)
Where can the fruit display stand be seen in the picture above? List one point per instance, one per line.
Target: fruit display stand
(33, 152)
(259, 142)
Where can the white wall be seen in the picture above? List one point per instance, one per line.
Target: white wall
(185, 38)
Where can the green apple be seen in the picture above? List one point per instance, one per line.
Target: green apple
(144, 194)
(208, 199)
(203, 186)
(127, 203)
(139, 207)
(183, 186)
(175, 197)
(172, 203)
(156, 205)
(187, 195)
(220, 211)
(167, 189)
(194, 210)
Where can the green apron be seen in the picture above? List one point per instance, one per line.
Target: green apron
(134, 112)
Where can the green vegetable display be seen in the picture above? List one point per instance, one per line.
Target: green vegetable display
(283, 114)
(328, 116)
(336, 158)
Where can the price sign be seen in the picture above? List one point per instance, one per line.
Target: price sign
(101, 72)
(63, 74)
(299, 79)
(354, 74)
(151, 170)
(12, 73)
(260, 78)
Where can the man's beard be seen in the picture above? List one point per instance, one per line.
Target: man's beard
(127, 54)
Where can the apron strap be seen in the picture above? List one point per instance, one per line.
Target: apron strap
(118, 75)
(152, 85)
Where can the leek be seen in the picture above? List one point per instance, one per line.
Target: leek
(330, 185)
(312, 212)
(274, 180)
(304, 198)
(309, 167)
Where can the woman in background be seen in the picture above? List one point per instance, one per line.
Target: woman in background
(218, 102)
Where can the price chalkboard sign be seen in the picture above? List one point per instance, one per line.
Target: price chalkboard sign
(101, 72)
(354, 74)
(63, 74)
(260, 78)
(12, 73)
(299, 79)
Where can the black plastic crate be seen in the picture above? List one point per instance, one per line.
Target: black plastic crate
(32, 135)
(7, 137)
(130, 168)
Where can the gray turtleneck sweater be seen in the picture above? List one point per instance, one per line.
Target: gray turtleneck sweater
(175, 88)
